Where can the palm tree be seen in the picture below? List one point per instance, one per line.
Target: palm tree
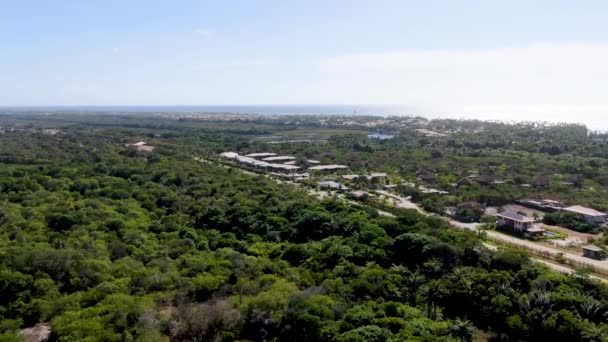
(594, 333)
(414, 280)
(432, 291)
(433, 267)
(591, 309)
(463, 329)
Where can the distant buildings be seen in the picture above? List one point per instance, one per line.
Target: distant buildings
(259, 164)
(426, 175)
(543, 204)
(380, 136)
(142, 146)
(328, 168)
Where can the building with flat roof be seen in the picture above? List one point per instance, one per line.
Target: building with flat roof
(260, 155)
(588, 214)
(328, 168)
(279, 158)
(593, 252)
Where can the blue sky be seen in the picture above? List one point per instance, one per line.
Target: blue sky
(445, 55)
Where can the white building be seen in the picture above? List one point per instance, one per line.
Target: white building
(590, 215)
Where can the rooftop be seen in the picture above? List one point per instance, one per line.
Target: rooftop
(332, 185)
(279, 158)
(377, 174)
(260, 155)
(511, 215)
(593, 248)
(328, 167)
(579, 209)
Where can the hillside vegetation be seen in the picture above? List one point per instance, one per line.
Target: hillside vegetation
(106, 243)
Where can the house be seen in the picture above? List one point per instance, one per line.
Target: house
(426, 175)
(350, 177)
(376, 175)
(593, 252)
(519, 223)
(485, 179)
(358, 195)
(589, 215)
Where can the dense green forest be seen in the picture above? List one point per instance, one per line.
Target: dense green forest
(107, 243)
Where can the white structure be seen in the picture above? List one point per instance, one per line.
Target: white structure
(258, 164)
(590, 215)
(328, 167)
(260, 155)
(279, 158)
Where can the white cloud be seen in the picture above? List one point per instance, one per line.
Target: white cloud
(540, 78)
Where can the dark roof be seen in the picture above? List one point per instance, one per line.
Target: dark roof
(515, 216)
(426, 175)
(485, 179)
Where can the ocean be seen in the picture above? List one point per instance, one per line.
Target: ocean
(594, 117)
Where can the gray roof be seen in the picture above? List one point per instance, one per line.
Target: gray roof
(579, 209)
(593, 248)
(514, 216)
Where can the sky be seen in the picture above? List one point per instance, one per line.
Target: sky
(499, 59)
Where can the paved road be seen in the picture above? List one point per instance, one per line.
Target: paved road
(600, 265)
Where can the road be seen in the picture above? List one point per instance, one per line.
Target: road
(601, 266)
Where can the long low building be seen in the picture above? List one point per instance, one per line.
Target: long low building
(329, 168)
(588, 214)
(279, 158)
(260, 155)
(258, 164)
